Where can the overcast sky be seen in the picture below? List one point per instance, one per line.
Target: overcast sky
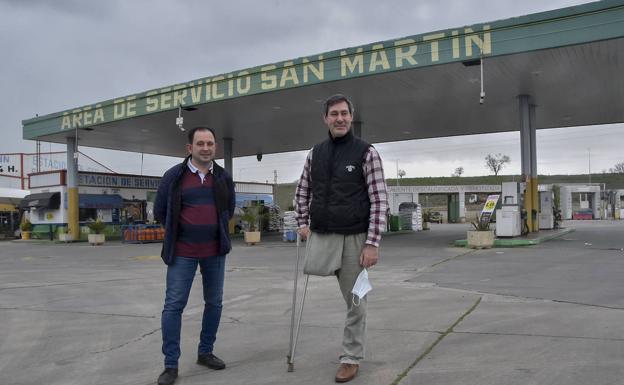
(67, 53)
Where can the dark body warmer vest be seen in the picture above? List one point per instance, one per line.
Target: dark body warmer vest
(340, 202)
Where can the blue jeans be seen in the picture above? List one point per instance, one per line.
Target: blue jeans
(180, 277)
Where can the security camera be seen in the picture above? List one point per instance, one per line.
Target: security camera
(180, 123)
(259, 156)
(481, 97)
(180, 119)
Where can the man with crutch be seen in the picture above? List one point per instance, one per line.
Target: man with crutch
(341, 204)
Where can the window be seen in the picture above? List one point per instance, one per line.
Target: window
(87, 214)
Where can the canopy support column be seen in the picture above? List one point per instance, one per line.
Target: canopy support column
(227, 155)
(529, 161)
(462, 205)
(73, 225)
(357, 129)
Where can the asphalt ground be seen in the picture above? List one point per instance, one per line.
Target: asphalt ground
(438, 314)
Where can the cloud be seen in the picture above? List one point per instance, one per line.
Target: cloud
(68, 53)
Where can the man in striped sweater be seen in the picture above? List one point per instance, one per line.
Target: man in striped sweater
(195, 201)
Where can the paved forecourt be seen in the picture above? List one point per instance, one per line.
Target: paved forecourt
(438, 314)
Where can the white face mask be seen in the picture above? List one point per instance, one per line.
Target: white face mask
(361, 287)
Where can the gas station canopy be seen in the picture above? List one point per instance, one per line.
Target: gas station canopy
(568, 61)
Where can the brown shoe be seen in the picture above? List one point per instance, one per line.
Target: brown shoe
(346, 372)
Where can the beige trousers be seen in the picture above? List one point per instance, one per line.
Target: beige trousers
(345, 253)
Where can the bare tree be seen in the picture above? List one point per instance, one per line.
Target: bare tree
(618, 168)
(496, 162)
(458, 171)
(402, 173)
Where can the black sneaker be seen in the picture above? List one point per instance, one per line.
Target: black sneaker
(211, 361)
(168, 376)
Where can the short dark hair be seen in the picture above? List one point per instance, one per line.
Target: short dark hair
(191, 133)
(335, 99)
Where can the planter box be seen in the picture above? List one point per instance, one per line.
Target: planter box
(25, 235)
(480, 239)
(96, 239)
(66, 237)
(252, 237)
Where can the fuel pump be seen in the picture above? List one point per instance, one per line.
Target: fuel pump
(509, 221)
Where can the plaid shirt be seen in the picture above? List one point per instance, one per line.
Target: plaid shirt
(376, 186)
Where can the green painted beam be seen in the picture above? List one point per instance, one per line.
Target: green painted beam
(568, 26)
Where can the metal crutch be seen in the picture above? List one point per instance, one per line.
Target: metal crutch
(294, 333)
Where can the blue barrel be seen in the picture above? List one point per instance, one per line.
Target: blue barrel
(290, 236)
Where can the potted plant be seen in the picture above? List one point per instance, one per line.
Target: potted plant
(96, 237)
(64, 236)
(251, 217)
(481, 237)
(26, 228)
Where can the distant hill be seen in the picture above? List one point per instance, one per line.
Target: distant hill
(285, 193)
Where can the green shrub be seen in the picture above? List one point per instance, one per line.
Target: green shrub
(26, 225)
(97, 226)
(481, 225)
(251, 217)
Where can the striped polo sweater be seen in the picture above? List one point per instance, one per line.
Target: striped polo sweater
(198, 228)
